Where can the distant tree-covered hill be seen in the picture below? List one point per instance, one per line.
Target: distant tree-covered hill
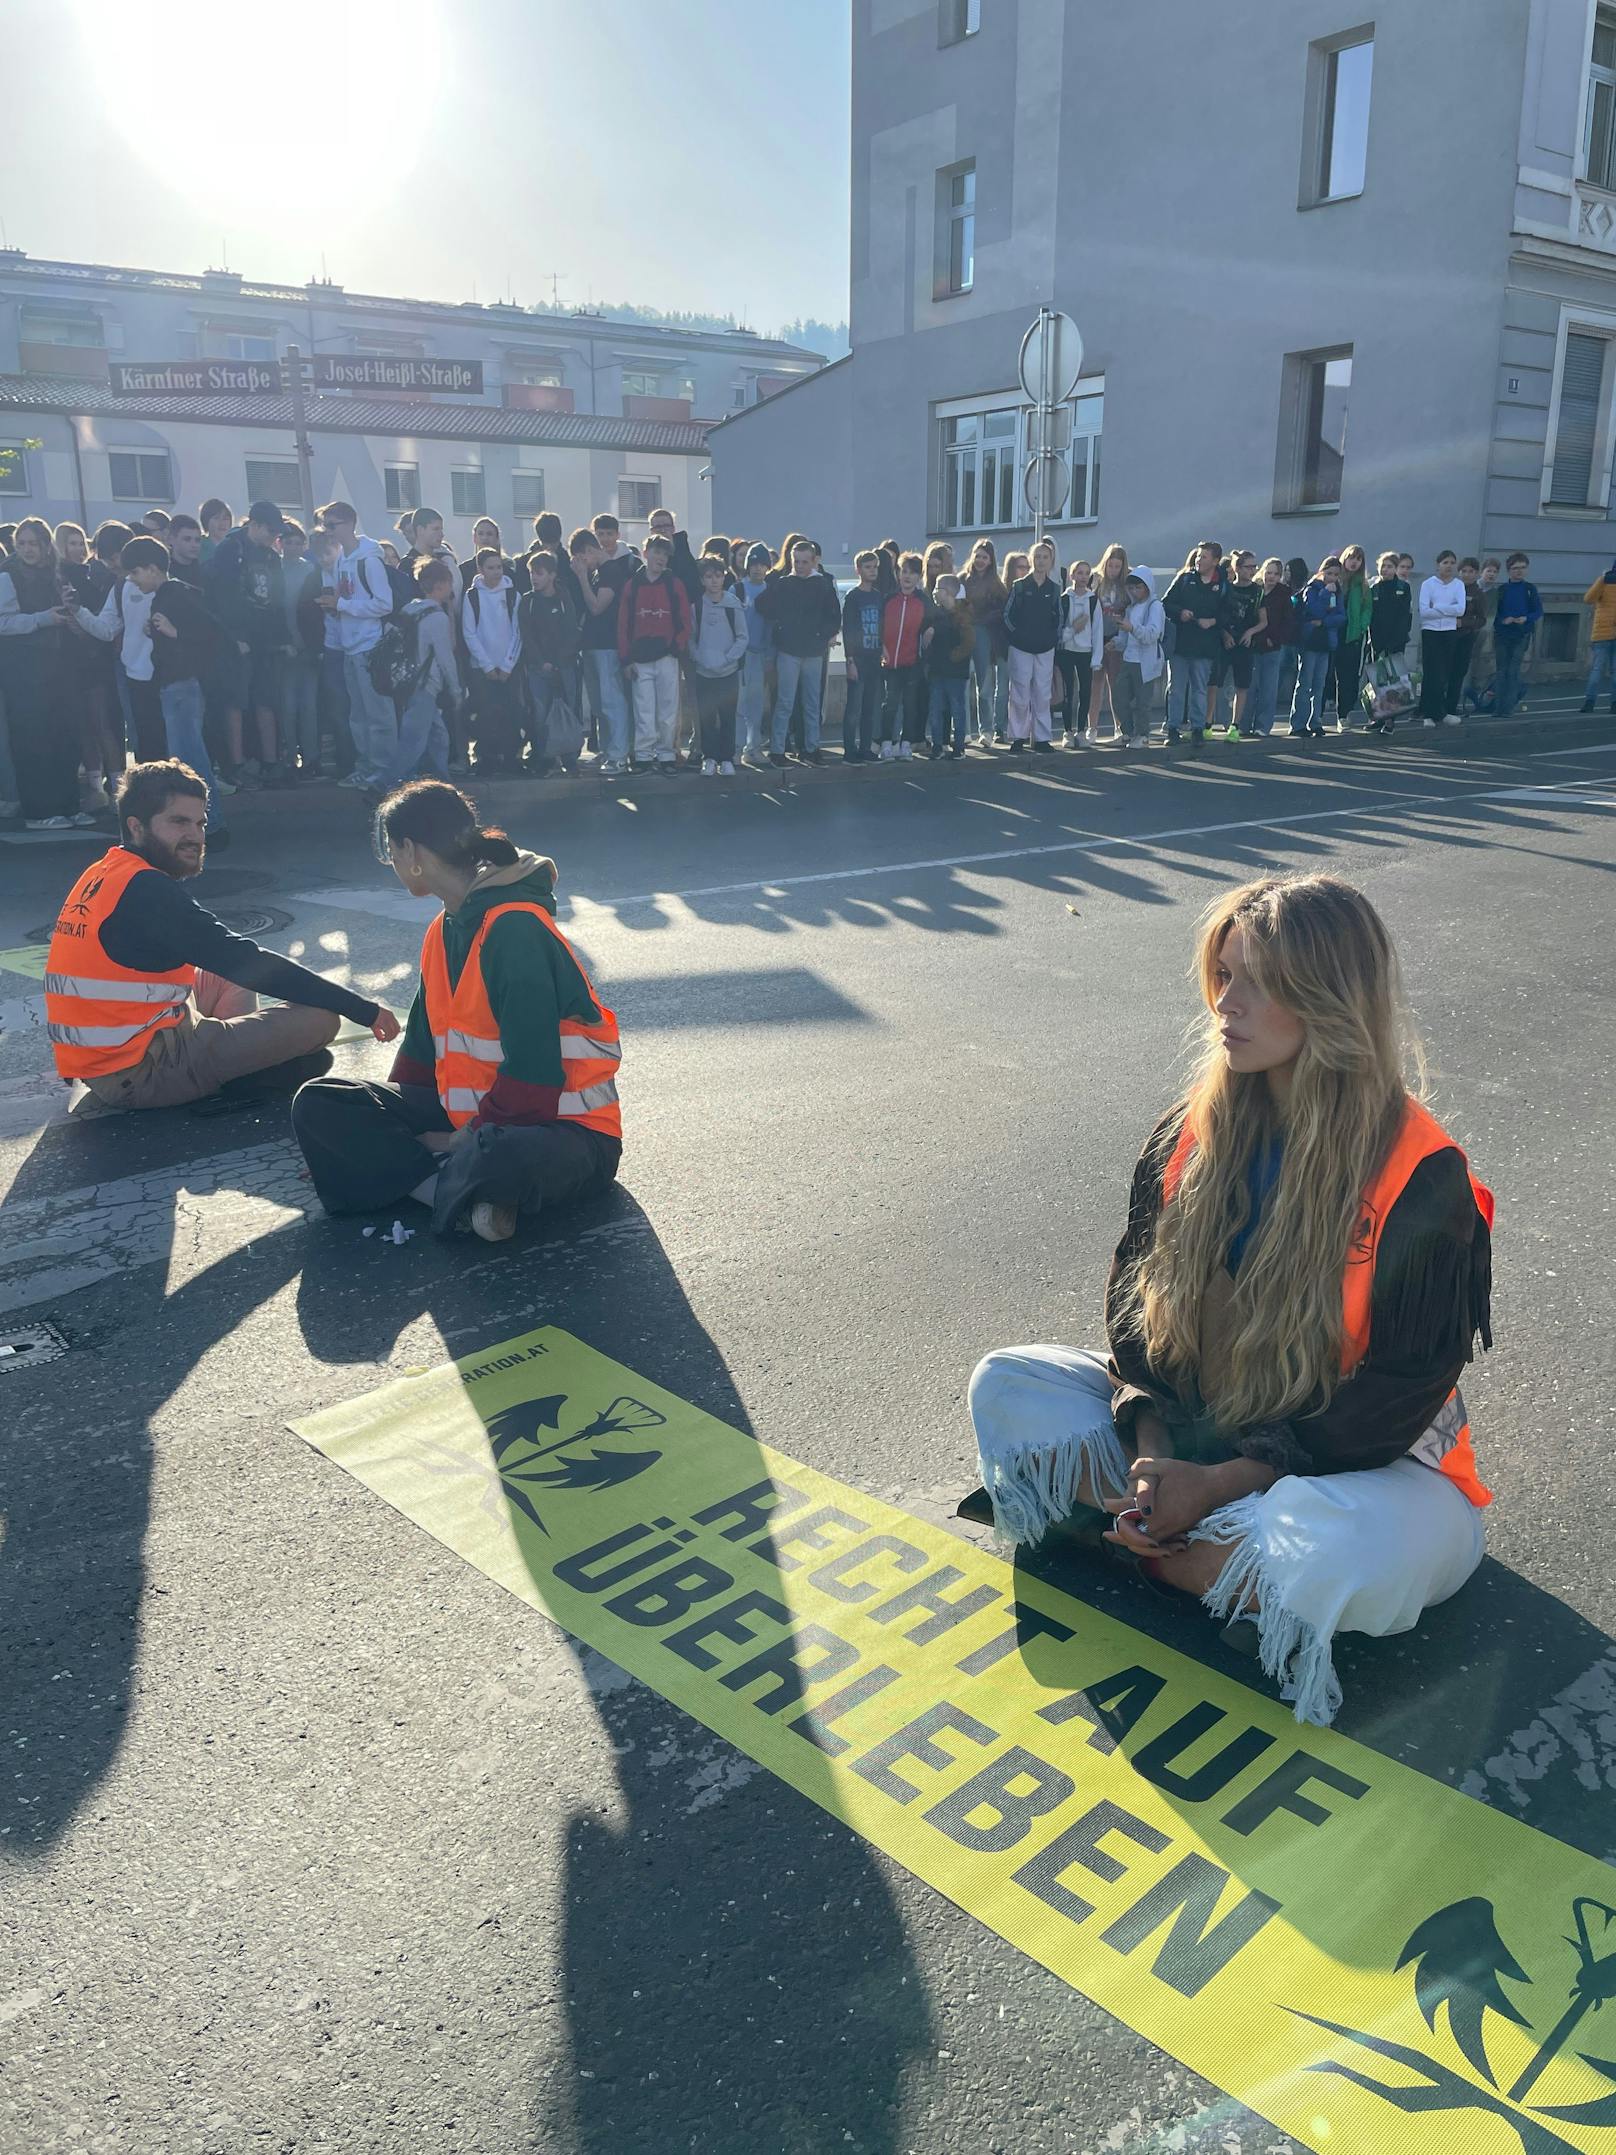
(827, 338)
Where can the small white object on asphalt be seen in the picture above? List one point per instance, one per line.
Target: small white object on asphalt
(367, 1230)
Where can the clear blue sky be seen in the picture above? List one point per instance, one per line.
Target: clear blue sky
(488, 147)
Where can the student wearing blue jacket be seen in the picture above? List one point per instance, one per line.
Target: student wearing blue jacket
(1322, 611)
(1517, 610)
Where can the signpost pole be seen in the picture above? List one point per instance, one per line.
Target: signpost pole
(300, 434)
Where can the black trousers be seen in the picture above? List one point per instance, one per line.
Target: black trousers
(1077, 675)
(44, 730)
(716, 698)
(361, 1141)
(1444, 655)
(1346, 674)
(496, 724)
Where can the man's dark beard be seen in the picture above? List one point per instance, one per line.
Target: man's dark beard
(166, 858)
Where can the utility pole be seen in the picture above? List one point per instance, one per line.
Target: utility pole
(300, 433)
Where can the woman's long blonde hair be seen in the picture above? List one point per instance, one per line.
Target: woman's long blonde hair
(1316, 946)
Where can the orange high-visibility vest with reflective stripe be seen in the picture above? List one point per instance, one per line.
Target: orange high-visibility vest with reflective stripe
(101, 1017)
(1451, 1448)
(466, 1046)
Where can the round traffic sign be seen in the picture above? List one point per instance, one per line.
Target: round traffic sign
(1051, 357)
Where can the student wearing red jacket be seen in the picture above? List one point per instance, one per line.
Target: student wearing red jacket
(906, 622)
(653, 628)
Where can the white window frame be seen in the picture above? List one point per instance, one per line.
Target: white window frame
(1318, 116)
(467, 471)
(644, 374)
(1086, 404)
(516, 507)
(14, 466)
(516, 371)
(635, 478)
(408, 486)
(1584, 322)
(64, 317)
(1290, 464)
(1604, 18)
(142, 493)
(952, 216)
(288, 492)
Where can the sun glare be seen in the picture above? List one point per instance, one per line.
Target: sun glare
(263, 121)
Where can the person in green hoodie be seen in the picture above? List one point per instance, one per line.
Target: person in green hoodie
(1346, 660)
(502, 1097)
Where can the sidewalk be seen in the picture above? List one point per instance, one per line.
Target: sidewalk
(1567, 727)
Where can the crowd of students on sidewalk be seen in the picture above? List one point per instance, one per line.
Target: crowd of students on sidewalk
(262, 654)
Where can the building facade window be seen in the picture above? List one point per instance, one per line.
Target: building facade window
(640, 382)
(13, 468)
(956, 229)
(1340, 71)
(1578, 470)
(403, 482)
(1599, 123)
(469, 491)
(636, 498)
(535, 377)
(140, 475)
(958, 20)
(274, 478)
(1313, 430)
(239, 345)
(61, 340)
(984, 452)
(527, 493)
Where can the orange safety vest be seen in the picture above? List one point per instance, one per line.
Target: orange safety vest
(100, 1017)
(465, 1035)
(1447, 1444)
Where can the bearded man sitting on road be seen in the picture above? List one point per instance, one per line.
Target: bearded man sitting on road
(149, 999)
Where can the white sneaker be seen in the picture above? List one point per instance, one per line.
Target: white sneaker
(1431, 722)
(726, 770)
(224, 785)
(905, 751)
(84, 821)
(8, 809)
(355, 780)
(886, 751)
(709, 768)
(1453, 718)
(49, 823)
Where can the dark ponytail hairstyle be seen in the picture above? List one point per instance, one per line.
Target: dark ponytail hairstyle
(441, 818)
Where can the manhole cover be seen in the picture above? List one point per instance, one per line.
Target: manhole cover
(33, 1344)
(255, 920)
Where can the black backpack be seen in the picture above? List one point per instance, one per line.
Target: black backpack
(394, 660)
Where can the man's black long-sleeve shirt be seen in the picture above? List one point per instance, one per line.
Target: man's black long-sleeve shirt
(156, 926)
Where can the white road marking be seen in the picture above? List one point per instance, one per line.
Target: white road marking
(1093, 842)
(1575, 1734)
(388, 901)
(1573, 800)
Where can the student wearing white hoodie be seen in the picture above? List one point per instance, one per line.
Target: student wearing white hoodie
(1133, 692)
(494, 646)
(357, 598)
(1442, 656)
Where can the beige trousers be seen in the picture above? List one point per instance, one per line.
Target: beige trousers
(223, 1035)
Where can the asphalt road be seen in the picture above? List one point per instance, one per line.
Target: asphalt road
(311, 1837)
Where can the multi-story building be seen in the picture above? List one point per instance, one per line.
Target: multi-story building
(576, 412)
(1340, 276)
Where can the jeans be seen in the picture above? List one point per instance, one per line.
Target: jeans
(1130, 701)
(1601, 667)
(749, 708)
(8, 770)
(861, 712)
(372, 718)
(1509, 655)
(336, 710)
(656, 709)
(423, 742)
(992, 676)
(301, 710)
(789, 670)
(182, 730)
(1032, 684)
(1312, 678)
(1266, 667)
(604, 674)
(950, 700)
(1187, 681)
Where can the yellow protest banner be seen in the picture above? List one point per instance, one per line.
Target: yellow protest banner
(1358, 1953)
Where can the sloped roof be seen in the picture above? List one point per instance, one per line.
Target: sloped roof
(362, 415)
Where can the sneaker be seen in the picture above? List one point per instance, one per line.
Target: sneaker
(355, 783)
(814, 755)
(1080, 739)
(1588, 703)
(1000, 735)
(726, 770)
(1231, 732)
(493, 1223)
(905, 751)
(933, 752)
(1453, 719)
(1431, 722)
(776, 762)
(48, 823)
(1044, 748)
(83, 820)
(1173, 737)
(955, 754)
(250, 771)
(709, 768)
(8, 809)
(225, 785)
(885, 753)
(1016, 747)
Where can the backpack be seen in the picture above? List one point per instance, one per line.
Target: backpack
(394, 661)
(734, 608)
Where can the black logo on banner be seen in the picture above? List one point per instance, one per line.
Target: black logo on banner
(1459, 1962)
(518, 1448)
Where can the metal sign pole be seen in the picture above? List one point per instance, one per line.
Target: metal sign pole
(300, 434)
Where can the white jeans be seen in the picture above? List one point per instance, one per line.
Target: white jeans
(1032, 676)
(656, 710)
(1322, 1553)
